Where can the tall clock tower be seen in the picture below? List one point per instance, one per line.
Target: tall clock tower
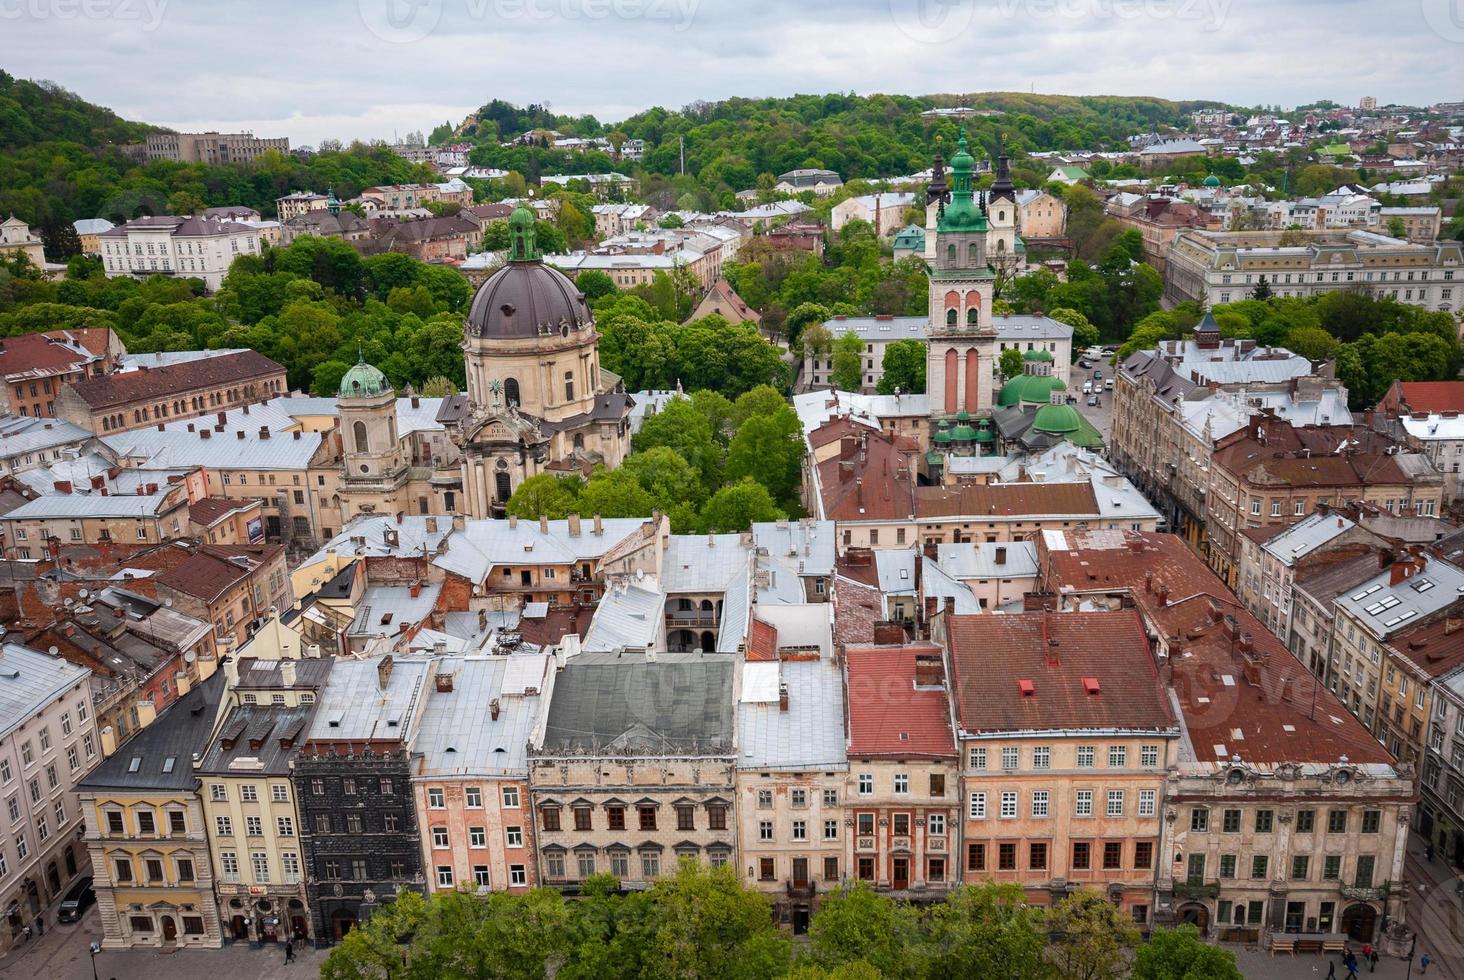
(962, 340)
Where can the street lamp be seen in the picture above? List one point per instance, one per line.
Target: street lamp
(96, 948)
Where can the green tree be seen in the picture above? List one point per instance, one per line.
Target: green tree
(720, 413)
(762, 401)
(595, 284)
(325, 379)
(1093, 941)
(1313, 343)
(1085, 335)
(769, 449)
(860, 925)
(988, 924)
(801, 318)
(667, 477)
(904, 367)
(378, 948)
(615, 493)
(708, 925)
(680, 427)
(438, 387)
(542, 495)
(1009, 363)
(848, 373)
(1180, 954)
(1262, 290)
(737, 506)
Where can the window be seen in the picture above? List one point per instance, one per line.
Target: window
(685, 817)
(145, 824)
(800, 830)
(716, 816)
(285, 826)
(831, 869)
(254, 826)
(864, 823)
(439, 838)
(1371, 821)
(1039, 802)
(1042, 757)
(1265, 820)
(1115, 803)
(435, 799)
(224, 826)
(866, 784)
(1149, 756)
(1147, 802)
(322, 823)
(1083, 803)
(513, 836)
(1230, 821)
(1300, 865)
(1306, 821)
(1037, 856)
(518, 874)
(650, 864)
(1117, 756)
(348, 786)
(1332, 867)
(1199, 818)
(358, 869)
(937, 784)
(766, 869)
(977, 806)
(248, 793)
(1363, 877)
(935, 825)
(902, 783)
(290, 865)
(1336, 821)
(831, 830)
(444, 872)
(585, 863)
(480, 875)
(615, 817)
(1260, 863)
(1143, 854)
(1112, 855)
(647, 817)
(473, 798)
(798, 798)
(975, 857)
(1010, 758)
(1227, 866)
(1006, 857)
(1085, 756)
(510, 796)
(550, 817)
(1082, 855)
(1008, 805)
(830, 797)
(259, 864)
(901, 823)
(582, 819)
(976, 759)
(280, 793)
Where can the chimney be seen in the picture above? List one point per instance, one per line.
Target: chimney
(223, 418)
(887, 632)
(929, 670)
(63, 486)
(264, 432)
(162, 428)
(431, 525)
(574, 525)
(444, 684)
(931, 549)
(512, 521)
(1287, 688)
(782, 697)
(1052, 649)
(1163, 595)
(493, 708)
(482, 620)
(599, 525)
(383, 671)
(296, 434)
(416, 402)
(1149, 580)
(950, 605)
(287, 672)
(1400, 571)
(415, 589)
(459, 522)
(231, 673)
(1247, 644)
(240, 435)
(1385, 558)
(1001, 554)
(205, 433)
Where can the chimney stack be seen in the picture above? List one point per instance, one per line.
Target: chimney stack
(383, 671)
(574, 525)
(444, 684)
(287, 672)
(599, 525)
(929, 670)
(1163, 595)
(782, 697)
(543, 523)
(493, 708)
(1001, 554)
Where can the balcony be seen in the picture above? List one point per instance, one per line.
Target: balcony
(1196, 889)
(1359, 893)
(678, 619)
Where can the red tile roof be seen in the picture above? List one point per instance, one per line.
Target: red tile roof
(1055, 656)
(211, 510)
(888, 714)
(857, 607)
(1282, 714)
(45, 354)
(872, 479)
(122, 389)
(215, 569)
(762, 641)
(1433, 396)
(1007, 500)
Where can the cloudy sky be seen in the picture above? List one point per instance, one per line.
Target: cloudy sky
(310, 69)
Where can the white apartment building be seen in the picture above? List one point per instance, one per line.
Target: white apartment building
(194, 248)
(48, 740)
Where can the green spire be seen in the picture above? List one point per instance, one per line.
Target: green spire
(962, 213)
(332, 203)
(962, 165)
(521, 235)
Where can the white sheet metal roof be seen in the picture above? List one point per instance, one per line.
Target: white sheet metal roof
(809, 735)
(460, 736)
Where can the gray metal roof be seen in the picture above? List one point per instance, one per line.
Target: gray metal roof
(628, 617)
(1306, 536)
(30, 680)
(459, 735)
(971, 559)
(264, 725)
(703, 562)
(484, 544)
(75, 505)
(1030, 326)
(181, 449)
(1383, 608)
(404, 610)
(353, 704)
(23, 434)
(676, 704)
(896, 571)
(808, 542)
(161, 755)
(809, 735)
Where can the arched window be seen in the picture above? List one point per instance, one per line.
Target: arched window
(1001, 244)
(951, 254)
(1001, 216)
(504, 486)
(579, 440)
(971, 316)
(973, 253)
(569, 386)
(511, 391)
(363, 445)
(950, 318)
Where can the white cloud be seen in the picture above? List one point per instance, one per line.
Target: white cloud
(331, 68)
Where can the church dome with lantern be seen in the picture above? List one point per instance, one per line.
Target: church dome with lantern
(526, 298)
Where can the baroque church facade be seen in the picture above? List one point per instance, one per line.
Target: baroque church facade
(537, 401)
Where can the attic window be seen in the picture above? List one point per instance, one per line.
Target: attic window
(904, 736)
(1091, 685)
(135, 764)
(168, 763)
(1027, 688)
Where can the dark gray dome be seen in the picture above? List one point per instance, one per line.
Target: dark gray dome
(526, 299)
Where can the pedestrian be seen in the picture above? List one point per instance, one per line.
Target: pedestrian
(1331, 971)
(289, 951)
(1424, 963)
(1428, 851)
(1352, 968)
(26, 933)
(1372, 961)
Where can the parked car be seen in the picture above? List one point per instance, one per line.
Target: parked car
(1107, 384)
(1085, 364)
(1094, 401)
(77, 900)
(1087, 387)
(1097, 375)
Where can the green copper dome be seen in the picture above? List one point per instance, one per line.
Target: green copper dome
(1212, 181)
(942, 437)
(1037, 355)
(521, 245)
(363, 381)
(962, 214)
(963, 416)
(963, 433)
(1029, 389)
(1057, 419)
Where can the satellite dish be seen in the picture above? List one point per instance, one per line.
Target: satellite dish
(188, 657)
(83, 594)
(52, 651)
